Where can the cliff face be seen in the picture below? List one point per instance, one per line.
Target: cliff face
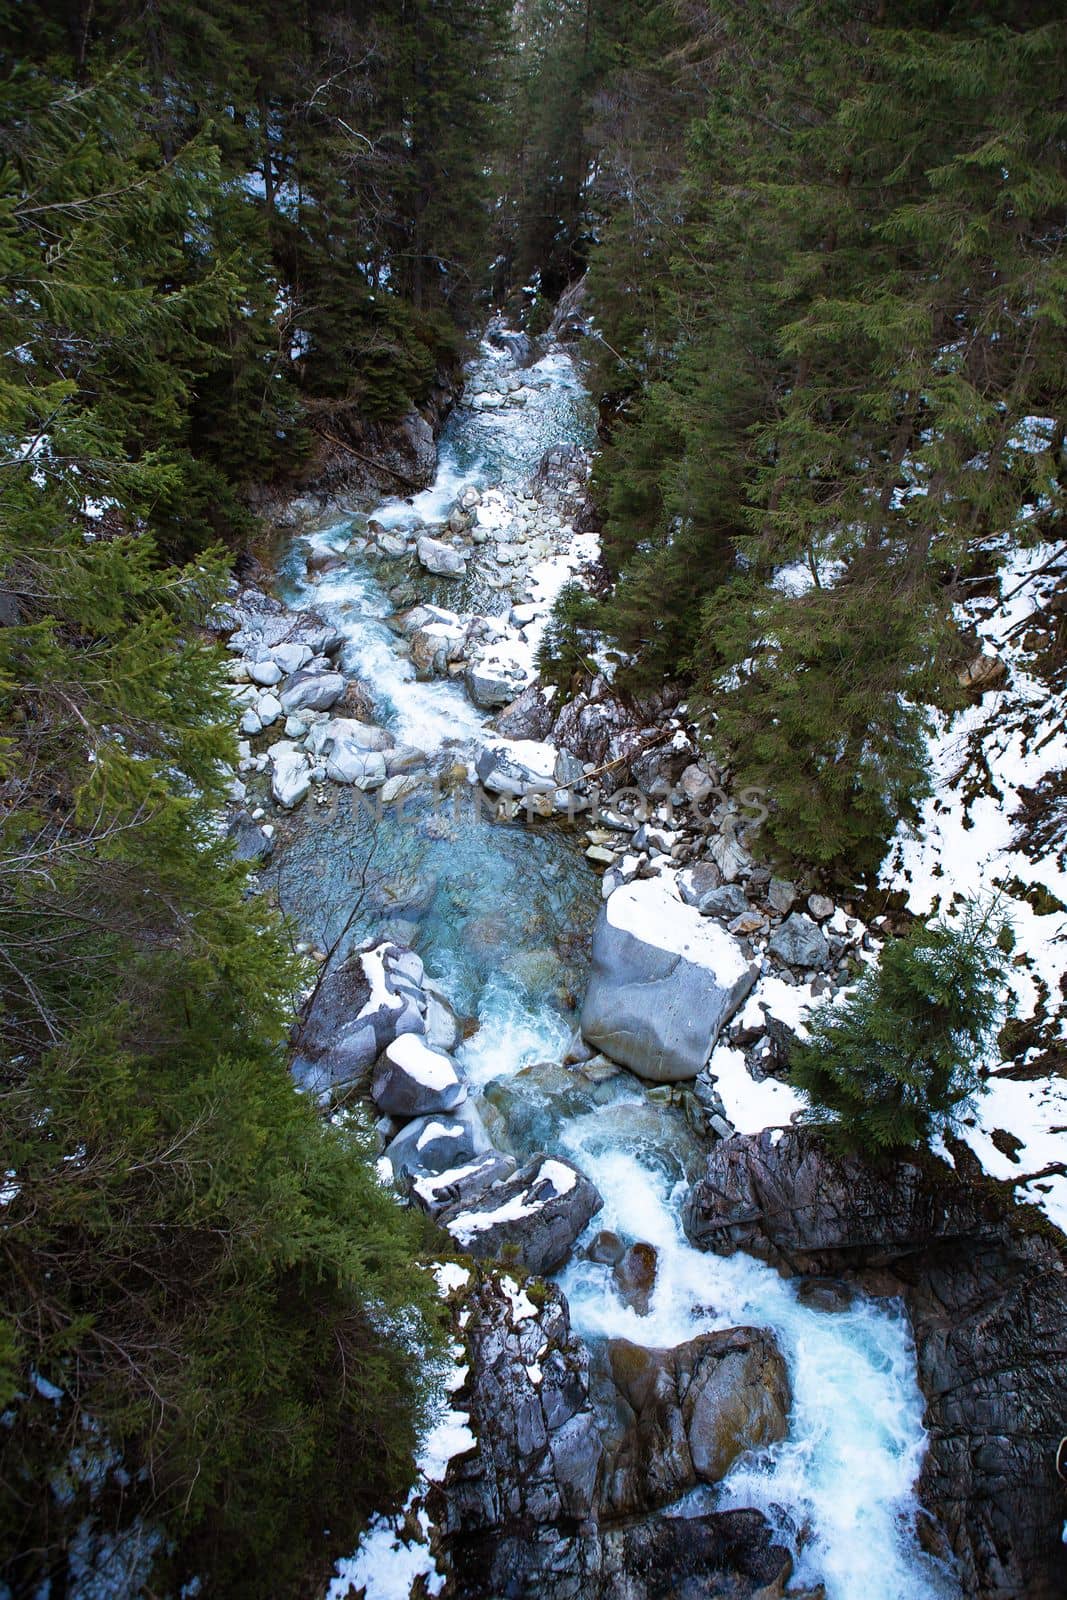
(988, 1305)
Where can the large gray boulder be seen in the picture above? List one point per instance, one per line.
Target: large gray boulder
(537, 1214)
(665, 981)
(311, 691)
(411, 1079)
(986, 1293)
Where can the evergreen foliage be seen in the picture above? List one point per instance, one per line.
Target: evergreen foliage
(566, 650)
(888, 1066)
(828, 308)
(213, 1330)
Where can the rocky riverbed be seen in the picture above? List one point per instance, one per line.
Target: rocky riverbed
(554, 973)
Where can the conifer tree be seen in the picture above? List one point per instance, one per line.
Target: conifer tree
(212, 1326)
(863, 306)
(889, 1065)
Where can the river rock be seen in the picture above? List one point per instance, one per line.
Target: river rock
(696, 883)
(265, 673)
(799, 942)
(664, 982)
(537, 1214)
(493, 679)
(310, 691)
(359, 1008)
(528, 717)
(781, 895)
(353, 751)
(290, 774)
(439, 1143)
(441, 559)
(434, 646)
(250, 843)
(411, 1079)
(606, 1248)
(986, 1293)
(517, 767)
(725, 903)
(290, 657)
(262, 633)
(685, 1415)
(635, 1276)
(443, 1031)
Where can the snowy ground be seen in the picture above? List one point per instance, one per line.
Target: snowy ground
(395, 1551)
(972, 841)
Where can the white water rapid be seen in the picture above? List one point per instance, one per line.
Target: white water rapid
(840, 1488)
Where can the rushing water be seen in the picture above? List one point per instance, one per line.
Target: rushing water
(498, 912)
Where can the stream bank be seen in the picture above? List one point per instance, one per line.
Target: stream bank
(459, 938)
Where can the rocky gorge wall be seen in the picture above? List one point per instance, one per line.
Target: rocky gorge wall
(987, 1299)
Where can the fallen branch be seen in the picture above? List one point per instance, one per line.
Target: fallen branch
(378, 466)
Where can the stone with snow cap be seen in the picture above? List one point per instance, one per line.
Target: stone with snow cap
(517, 767)
(440, 559)
(460, 1186)
(665, 981)
(538, 1214)
(411, 1079)
(359, 1008)
(495, 677)
(438, 1143)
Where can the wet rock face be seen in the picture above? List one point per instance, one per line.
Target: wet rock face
(521, 1517)
(538, 1458)
(728, 1555)
(988, 1305)
(682, 1417)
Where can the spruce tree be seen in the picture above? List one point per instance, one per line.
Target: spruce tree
(213, 1328)
(889, 1066)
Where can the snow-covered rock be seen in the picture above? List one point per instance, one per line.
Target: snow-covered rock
(411, 1079)
(664, 982)
(438, 1143)
(537, 1214)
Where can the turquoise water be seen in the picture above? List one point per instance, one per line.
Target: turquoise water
(501, 915)
(500, 912)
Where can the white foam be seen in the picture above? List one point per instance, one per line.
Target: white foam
(856, 1440)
